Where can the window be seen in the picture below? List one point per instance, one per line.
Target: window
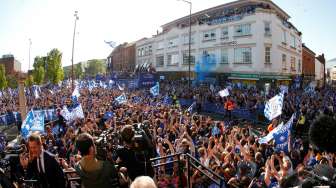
(224, 56)
(173, 59)
(160, 61)
(284, 62)
(186, 59)
(225, 33)
(242, 55)
(299, 66)
(268, 55)
(284, 37)
(150, 50)
(292, 62)
(208, 56)
(293, 41)
(185, 39)
(242, 30)
(139, 52)
(172, 43)
(209, 35)
(267, 29)
(160, 45)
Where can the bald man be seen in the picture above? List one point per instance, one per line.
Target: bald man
(143, 182)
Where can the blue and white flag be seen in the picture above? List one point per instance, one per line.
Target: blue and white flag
(273, 107)
(121, 99)
(75, 92)
(191, 107)
(155, 90)
(77, 113)
(38, 124)
(215, 131)
(36, 94)
(120, 88)
(167, 100)
(281, 136)
(108, 115)
(269, 136)
(33, 122)
(65, 113)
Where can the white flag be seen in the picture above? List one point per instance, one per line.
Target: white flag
(224, 92)
(273, 107)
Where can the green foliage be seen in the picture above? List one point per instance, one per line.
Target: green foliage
(12, 81)
(78, 71)
(54, 70)
(96, 66)
(39, 70)
(3, 80)
(39, 74)
(29, 81)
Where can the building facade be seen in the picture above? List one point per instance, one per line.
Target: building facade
(12, 65)
(308, 64)
(319, 70)
(246, 40)
(122, 58)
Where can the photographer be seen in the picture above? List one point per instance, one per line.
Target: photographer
(41, 165)
(135, 154)
(94, 173)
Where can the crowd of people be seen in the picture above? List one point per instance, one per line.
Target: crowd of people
(114, 143)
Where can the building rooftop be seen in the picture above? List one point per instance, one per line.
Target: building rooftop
(227, 9)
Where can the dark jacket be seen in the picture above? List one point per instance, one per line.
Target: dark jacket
(53, 177)
(104, 177)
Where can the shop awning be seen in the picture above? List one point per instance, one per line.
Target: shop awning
(241, 78)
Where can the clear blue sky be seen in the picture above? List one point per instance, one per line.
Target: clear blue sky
(49, 23)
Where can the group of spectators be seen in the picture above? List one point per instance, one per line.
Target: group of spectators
(228, 146)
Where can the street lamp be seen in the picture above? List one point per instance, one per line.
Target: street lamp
(30, 43)
(189, 58)
(73, 47)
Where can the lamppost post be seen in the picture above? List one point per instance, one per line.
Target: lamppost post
(189, 47)
(73, 48)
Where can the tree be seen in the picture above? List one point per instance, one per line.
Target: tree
(96, 66)
(12, 82)
(54, 70)
(3, 80)
(39, 69)
(78, 71)
(29, 81)
(39, 74)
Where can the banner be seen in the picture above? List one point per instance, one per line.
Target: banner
(273, 107)
(281, 136)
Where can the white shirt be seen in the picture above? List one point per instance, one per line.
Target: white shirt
(40, 161)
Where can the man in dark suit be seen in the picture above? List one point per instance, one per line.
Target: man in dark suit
(41, 165)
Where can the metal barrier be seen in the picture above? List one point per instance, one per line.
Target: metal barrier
(191, 162)
(178, 161)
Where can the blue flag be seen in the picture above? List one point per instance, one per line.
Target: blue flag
(155, 90)
(33, 122)
(121, 99)
(191, 107)
(77, 113)
(108, 115)
(281, 136)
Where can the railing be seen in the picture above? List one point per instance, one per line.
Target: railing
(191, 163)
(178, 161)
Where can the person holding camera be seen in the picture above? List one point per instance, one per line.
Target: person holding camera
(94, 173)
(41, 165)
(134, 157)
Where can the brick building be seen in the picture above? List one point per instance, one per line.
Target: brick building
(308, 64)
(122, 58)
(11, 64)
